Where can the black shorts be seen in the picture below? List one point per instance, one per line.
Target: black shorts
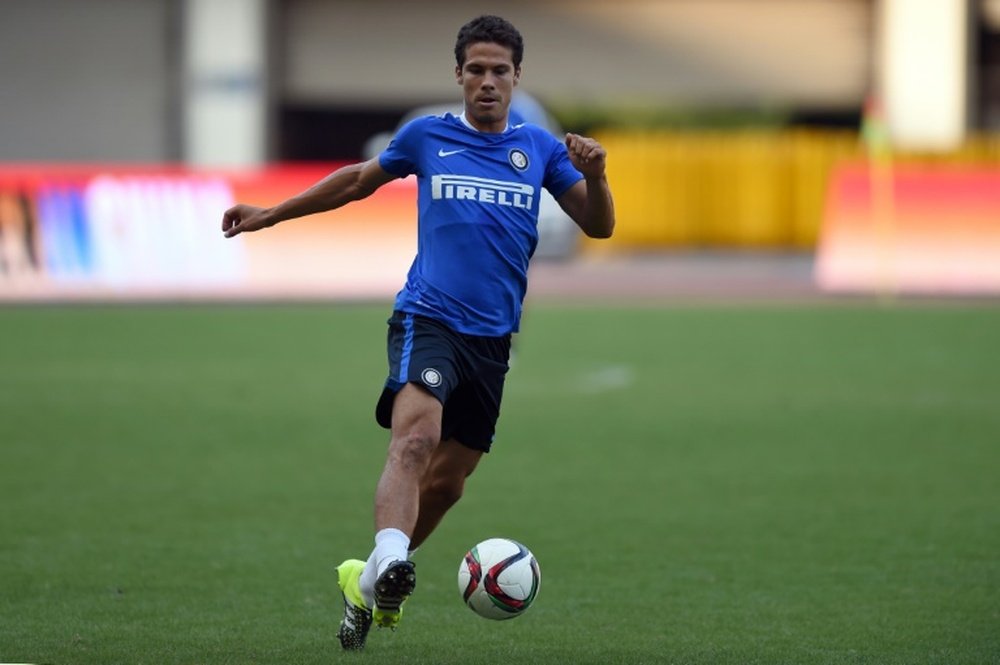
(464, 372)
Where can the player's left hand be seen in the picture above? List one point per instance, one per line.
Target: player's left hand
(586, 155)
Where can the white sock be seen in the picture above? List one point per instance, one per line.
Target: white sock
(390, 545)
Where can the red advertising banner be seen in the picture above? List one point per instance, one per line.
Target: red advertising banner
(911, 229)
(134, 232)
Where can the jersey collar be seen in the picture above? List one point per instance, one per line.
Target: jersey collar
(465, 121)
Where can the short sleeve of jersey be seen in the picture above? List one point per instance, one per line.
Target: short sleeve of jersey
(560, 174)
(400, 158)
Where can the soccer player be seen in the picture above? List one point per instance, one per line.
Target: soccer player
(479, 180)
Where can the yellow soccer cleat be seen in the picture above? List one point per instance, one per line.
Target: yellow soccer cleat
(357, 619)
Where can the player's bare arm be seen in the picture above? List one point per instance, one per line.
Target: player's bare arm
(589, 201)
(346, 184)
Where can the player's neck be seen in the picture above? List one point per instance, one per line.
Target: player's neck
(497, 127)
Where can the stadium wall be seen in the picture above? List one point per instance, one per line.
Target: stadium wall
(101, 232)
(136, 232)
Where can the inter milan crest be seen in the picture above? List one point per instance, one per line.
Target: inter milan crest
(431, 377)
(518, 159)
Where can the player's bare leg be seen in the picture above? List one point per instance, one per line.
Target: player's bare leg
(389, 577)
(416, 431)
(442, 486)
(373, 593)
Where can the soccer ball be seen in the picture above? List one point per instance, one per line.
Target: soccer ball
(499, 578)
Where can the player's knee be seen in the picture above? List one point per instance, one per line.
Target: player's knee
(414, 447)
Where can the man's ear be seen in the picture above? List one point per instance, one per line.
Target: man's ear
(458, 75)
(517, 75)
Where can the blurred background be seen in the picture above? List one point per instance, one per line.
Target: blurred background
(779, 379)
(761, 146)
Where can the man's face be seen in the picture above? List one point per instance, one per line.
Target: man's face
(487, 78)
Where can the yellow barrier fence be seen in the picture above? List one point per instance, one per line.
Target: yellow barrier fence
(744, 189)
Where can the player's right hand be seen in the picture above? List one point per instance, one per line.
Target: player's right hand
(242, 218)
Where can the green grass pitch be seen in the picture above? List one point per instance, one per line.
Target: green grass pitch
(700, 484)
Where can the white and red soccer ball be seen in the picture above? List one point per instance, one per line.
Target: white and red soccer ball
(499, 578)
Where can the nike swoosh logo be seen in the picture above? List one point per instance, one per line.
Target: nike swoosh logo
(444, 153)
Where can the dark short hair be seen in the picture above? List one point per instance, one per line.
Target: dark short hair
(493, 30)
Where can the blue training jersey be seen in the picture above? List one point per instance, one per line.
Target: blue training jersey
(477, 217)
